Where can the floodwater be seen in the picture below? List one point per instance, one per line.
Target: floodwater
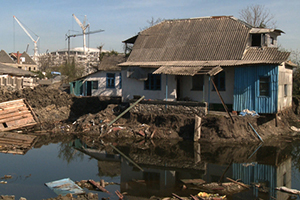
(154, 168)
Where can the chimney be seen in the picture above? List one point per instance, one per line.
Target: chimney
(18, 57)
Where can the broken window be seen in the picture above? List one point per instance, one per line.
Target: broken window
(256, 40)
(264, 86)
(219, 80)
(110, 80)
(198, 82)
(153, 82)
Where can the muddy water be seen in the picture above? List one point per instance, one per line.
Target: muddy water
(155, 168)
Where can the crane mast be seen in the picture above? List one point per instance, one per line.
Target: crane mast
(35, 55)
(83, 27)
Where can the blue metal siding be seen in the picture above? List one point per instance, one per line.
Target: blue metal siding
(256, 174)
(246, 89)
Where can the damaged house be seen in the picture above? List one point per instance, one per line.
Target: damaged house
(13, 76)
(195, 59)
(105, 82)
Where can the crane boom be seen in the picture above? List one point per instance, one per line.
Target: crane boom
(74, 35)
(34, 41)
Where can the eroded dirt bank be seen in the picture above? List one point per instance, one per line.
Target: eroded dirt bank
(61, 113)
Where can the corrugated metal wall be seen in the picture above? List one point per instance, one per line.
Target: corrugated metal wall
(246, 89)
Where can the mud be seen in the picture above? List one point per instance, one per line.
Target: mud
(61, 113)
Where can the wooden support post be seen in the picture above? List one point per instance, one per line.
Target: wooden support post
(197, 130)
(126, 157)
(197, 149)
(123, 113)
(224, 105)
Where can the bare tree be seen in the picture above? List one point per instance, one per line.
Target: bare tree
(258, 16)
(152, 22)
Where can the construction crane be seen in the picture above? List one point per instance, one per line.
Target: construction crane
(83, 27)
(35, 55)
(75, 35)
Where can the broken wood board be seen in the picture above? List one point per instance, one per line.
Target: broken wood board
(16, 114)
(193, 181)
(15, 143)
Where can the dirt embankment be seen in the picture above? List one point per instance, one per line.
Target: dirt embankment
(61, 113)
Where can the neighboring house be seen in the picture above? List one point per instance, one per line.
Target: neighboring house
(18, 60)
(16, 78)
(178, 59)
(105, 82)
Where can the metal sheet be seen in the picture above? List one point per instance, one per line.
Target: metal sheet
(64, 187)
(246, 89)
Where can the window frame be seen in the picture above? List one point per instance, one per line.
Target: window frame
(153, 82)
(110, 80)
(95, 85)
(264, 86)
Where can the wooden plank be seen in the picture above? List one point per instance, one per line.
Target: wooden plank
(14, 114)
(11, 108)
(98, 186)
(193, 181)
(16, 136)
(15, 118)
(4, 112)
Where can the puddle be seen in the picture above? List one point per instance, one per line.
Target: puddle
(153, 168)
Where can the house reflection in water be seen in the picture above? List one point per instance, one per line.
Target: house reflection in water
(163, 171)
(269, 171)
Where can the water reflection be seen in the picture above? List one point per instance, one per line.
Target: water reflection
(167, 167)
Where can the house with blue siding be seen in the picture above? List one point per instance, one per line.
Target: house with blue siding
(201, 59)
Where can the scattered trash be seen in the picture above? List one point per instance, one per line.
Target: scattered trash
(248, 112)
(64, 187)
(249, 164)
(98, 186)
(288, 190)
(295, 129)
(205, 195)
(7, 177)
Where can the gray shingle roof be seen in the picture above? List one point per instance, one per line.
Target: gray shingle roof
(5, 58)
(110, 62)
(269, 55)
(209, 41)
(6, 69)
(203, 39)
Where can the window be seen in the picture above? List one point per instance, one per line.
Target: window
(95, 85)
(219, 80)
(264, 86)
(153, 82)
(110, 80)
(198, 82)
(285, 90)
(256, 40)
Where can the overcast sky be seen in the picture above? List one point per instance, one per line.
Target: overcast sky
(122, 19)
